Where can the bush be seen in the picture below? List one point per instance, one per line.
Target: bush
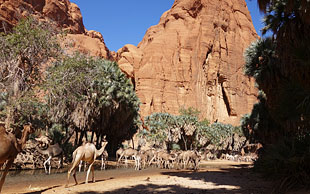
(24, 52)
(187, 131)
(287, 161)
(92, 94)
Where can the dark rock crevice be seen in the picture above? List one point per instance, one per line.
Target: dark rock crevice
(226, 101)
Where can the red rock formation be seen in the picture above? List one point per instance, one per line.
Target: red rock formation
(194, 58)
(64, 14)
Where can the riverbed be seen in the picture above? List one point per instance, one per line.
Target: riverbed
(218, 176)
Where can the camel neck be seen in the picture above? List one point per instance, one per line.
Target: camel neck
(24, 138)
(99, 152)
(40, 151)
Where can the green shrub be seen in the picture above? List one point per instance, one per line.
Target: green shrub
(288, 162)
(92, 94)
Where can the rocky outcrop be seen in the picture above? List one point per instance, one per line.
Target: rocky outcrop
(63, 14)
(87, 45)
(194, 58)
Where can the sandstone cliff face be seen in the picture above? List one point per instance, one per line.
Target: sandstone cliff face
(64, 14)
(194, 58)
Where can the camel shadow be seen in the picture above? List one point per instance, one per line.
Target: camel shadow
(90, 182)
(41, 191)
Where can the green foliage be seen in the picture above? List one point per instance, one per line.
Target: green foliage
(219, 132)
(259, 126)
(287, 161)
(24, 52)
(92, 94)
(189, 112)
(57, 134)
(186, 130)
(166, 129)
(280, 66)
(3, 104)
(261, 60)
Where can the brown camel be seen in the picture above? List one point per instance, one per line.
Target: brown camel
(52, 151)
(87, 153)
(10, 146)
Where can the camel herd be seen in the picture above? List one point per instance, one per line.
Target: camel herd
(161, 158)
(10, 146)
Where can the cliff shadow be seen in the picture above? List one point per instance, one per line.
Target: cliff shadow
(239, 179)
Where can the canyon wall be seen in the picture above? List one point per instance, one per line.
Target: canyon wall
(194, 58)
(63, 15)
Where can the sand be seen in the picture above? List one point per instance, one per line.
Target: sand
(212, 177)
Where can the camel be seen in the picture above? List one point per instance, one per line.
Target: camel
(51, 151)
(191, 156)
(104, 158)
(87, 153)
(10, 146)
(140, 160)
(119, 153)
(129, 152)
(44, 140)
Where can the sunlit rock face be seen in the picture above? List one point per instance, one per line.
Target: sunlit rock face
(193, 58)
(61, 13)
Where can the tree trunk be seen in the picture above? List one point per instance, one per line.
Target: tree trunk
(92, 136)
(133, 144)
(76, 137)
(185, 145)
(81, 137)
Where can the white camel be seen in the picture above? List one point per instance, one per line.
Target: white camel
(87, 153)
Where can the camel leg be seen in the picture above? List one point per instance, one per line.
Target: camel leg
(60, 161)
(144, 163)
(74, 176)
(119, 159)
(93, 173)
(74, 165)
(6, 170)
(80, 166)
(102, 163)
(88, 171)
(49, 158)
(152, 160)
(126, 161)
(49, 166)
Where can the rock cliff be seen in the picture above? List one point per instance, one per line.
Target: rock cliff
(63, 14)
(193, 58)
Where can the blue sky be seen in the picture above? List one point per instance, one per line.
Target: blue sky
(125, 22)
